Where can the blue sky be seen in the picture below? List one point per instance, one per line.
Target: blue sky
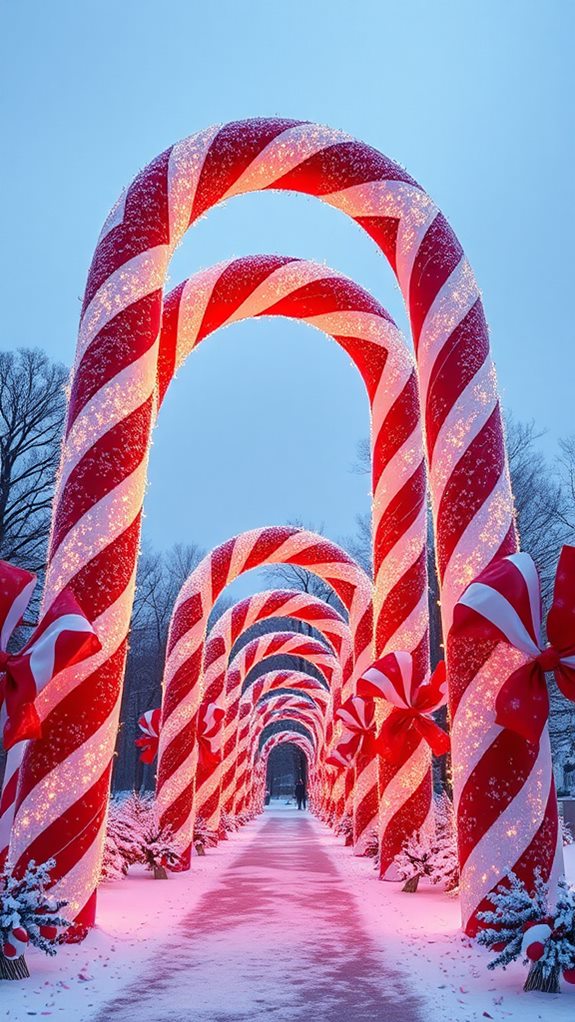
(475, 99)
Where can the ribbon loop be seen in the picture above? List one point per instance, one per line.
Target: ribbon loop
(392, 678)
(63, 637)
(504, 605)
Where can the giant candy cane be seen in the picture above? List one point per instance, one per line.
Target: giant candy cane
(273, 285)
(253, 653)
(274, 603)
(95, 532)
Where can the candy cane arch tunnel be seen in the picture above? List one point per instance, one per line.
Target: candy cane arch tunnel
(177, 756)
(316, 295)
(254, 703)
(96, 527)
(256, 651)
(276, 603)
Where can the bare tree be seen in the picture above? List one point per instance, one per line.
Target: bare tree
(32, 410)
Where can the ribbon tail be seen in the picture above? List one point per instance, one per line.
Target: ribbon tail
(434, 735)
(23, 725)
(392, 737)
(522, 704)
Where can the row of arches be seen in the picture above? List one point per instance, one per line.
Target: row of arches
(130, 342)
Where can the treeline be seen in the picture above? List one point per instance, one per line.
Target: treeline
(32, 415)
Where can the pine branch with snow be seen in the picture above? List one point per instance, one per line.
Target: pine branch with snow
(514, 907)
(28, 916)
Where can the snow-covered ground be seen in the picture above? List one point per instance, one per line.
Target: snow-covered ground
(415, 935)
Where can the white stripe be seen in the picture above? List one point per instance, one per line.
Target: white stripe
(449, 308)
(493, 606)
(508, 836)
(185, 165)
(461, 426)
(287, 151)
(194, 301)
(396, 199)
(16, 612)
(112, 403)
(133, 280)
(477, 547)
(43, 651)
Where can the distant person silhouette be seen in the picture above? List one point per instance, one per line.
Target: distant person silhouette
(301, 794)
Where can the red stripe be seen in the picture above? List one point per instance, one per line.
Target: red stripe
(220, 564)
(101, 581)
(471, 482)
(383, 230)
(460, 359)
(437, 257)
(182, 683)
(168, 342)
(237, 282)
(369, 358)
(540, 854)
(267, 543)
(519, 758)
(118, 345)
(399, 424)
(110, 461)
(145, 225)
(232, 151)
(400, 514)
(409, 818)
(341, 166)
(186, 615)
(320, 297)
(72, 722)
(401, 601)
(67, 838)
(176, 753)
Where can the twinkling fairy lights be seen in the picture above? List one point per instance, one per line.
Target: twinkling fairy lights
(98, 504)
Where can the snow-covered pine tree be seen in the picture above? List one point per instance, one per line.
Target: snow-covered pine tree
(158, 851)
(519, 926)
(344, 828)
(416, 860)
(114, 863)
(203, 837)
(28, 915)
(446, 867)
(431, 853)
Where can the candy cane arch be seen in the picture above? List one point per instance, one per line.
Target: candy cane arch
(225, 633)
(259, 649)
(284, 737)
(248, 797)
(272, 285)
(113, 400)
(183, 675)
(251, 704)
(266, 683)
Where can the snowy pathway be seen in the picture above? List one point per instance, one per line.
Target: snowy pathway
(279, 936)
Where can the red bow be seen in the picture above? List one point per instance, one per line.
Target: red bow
(208, 731)
(391, 678)
(358, 741)
(63, 637)
(504, 605)
(149, 723)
